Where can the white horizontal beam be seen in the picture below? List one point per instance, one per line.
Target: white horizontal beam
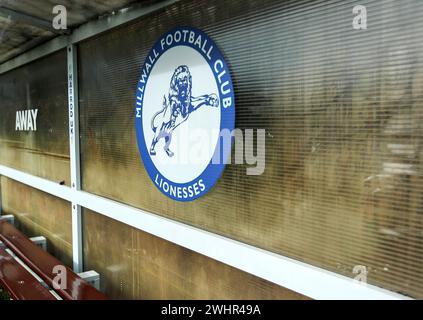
(300, 277)
(55, 189)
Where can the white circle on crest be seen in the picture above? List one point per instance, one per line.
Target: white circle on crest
(194, 140)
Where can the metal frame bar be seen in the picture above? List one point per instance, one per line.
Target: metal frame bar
(8, 217)
(75, 168)
(300, 277)
(40, 241)
(92, 277)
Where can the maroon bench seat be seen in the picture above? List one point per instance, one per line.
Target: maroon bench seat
(20, 284)
(43, 264)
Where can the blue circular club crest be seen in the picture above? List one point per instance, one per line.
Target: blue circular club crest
(184, 113)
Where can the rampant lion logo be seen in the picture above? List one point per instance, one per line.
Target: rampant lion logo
(177, 107)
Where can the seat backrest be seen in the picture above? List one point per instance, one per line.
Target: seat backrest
(46, 266)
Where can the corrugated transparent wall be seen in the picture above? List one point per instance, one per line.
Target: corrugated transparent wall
(40, 85)
(343, 113)
(136, 265)
(39, 214)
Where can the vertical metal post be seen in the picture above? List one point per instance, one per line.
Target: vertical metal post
(74, 156)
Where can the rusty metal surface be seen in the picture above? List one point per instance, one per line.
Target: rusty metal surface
(43, 264)
(19, 283)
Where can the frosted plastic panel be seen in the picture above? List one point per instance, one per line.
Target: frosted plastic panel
(39, 214)
(42, 147)
(342, 110)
